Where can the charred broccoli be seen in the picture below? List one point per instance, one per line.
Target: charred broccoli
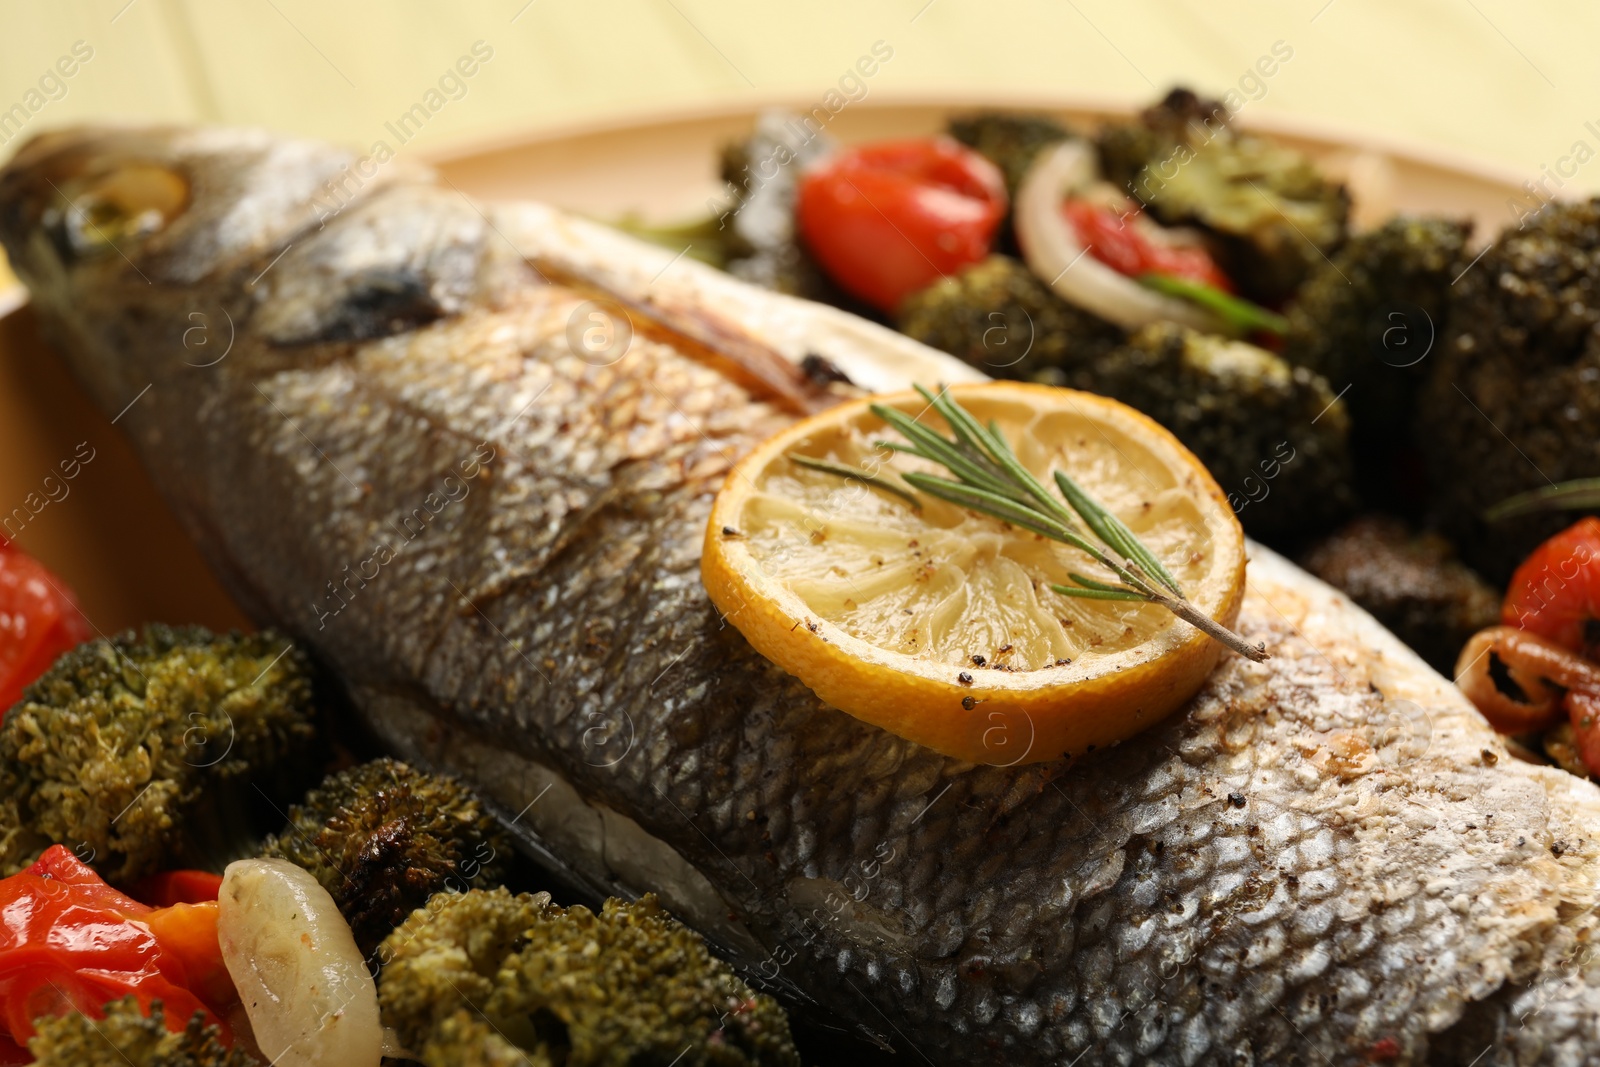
(382, 838)
(1275, 437)
(485, 977)
(112, 748)
(1009, 140)
(126, 1037)
(1003, 320)
(1274, 217)
(1412, 583)
(1369, 319)
(1513, 396)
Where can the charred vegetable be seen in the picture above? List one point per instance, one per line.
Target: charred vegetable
(1536, 675)
(1273, 215)
(1275, 436)
(1374, 319)
(762, 171)
(1009, 140)
(485, 977)
(42, 620)
(382, 838)
(1412, 583)
(890, 218)
(1513, 398)
(305, 986)
(127, 1037)
(115, 749)
(69, 942)
(1003, 320)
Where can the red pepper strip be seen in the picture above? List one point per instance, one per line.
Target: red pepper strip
(39, 620)
(177, 887)
(69, 941)
(1114, 240)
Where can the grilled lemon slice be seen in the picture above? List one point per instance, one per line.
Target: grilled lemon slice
(939, 624)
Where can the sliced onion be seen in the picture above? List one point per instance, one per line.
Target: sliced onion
(310, 998)
(1055, 254)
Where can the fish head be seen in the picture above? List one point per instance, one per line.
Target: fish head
(164, 205)
(131, 236)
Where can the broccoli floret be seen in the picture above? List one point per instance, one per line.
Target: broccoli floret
(1274, 436)
(1273, 215)
(1412, 583)
(1513, 396)
(1009, 140)
(1340, 323)
(126, 1037)
(382, 838)
(485, 977)
(1371, 321)
(999, 317)
(1370, 318)
(110, 751)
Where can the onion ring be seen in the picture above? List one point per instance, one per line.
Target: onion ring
(1541, 669)
(1054, 253)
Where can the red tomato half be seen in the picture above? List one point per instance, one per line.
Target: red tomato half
(39, 620)
(887, 219)
(1556, 591)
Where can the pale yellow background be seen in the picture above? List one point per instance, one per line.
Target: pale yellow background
(1507, 80)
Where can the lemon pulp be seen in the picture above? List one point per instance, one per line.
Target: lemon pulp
(931, 621)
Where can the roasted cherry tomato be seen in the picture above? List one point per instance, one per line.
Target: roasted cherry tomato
(1556, 591)
(887, 219)
(1583, 711)
(39, 620)
(69, 941)
(1117, 241)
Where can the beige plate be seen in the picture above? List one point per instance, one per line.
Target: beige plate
(114, 541)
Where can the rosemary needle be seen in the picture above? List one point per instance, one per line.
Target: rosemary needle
(856, 474)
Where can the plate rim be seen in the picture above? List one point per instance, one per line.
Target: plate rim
(1333, 133)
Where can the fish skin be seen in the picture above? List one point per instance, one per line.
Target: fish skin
(1325, 859)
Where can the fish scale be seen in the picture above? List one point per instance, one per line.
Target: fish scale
(1327, 858)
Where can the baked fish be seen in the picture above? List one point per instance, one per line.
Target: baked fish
(466, 451)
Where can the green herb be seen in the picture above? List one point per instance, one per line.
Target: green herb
(854, 474)
(1237, 313)
(1569, 496)
(990, 480)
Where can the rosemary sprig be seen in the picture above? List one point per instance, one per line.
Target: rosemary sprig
(990, 480)
(854, 474)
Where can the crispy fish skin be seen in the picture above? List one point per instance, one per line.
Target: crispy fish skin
(493, 534)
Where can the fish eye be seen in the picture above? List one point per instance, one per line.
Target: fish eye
(103, 210)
